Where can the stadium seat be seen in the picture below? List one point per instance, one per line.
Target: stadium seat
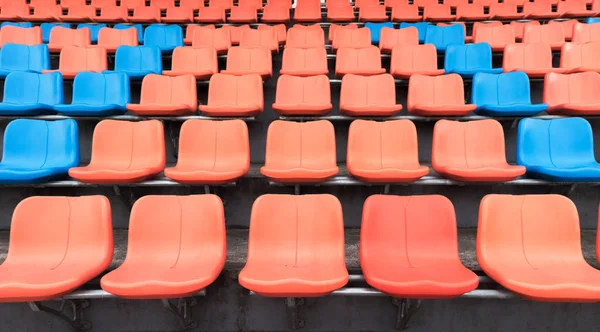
(191, 28)
(538, 10)
(583, 33)
(531, 245)
(504, 95)
(72, 3)
(421, 27)
(471, 151)
(277, 268)
(471, 12)
(519, 27)
(124, 152)
(418, 59)
(302, 95)
(279, 29)
(138, 27)
(305, 38)
(74, 59)
(97, 94)
(283, 3)
(94, 30)
(275, 14)
(40, 267)
(211, 14)
(211, 152)
(333, 28)
(219, 39)
(307, 11)
(350, 38)
(47, 28)
(137, 61)
(131, 4)
(14, 12)
(369, 95)
(249, 60)
(362, 61)
(17, 24)
(438, 12)
(358, 4)
(384, 151)
(304, 61)
(111, 39)
(248, 90)
(109, 3)
(398, 37)
(592, 20)
(467, 38)
(441, 37)
(31, 93)
(496, 36)
(226, 4)
(61, 37)
(50, 12)
(437, 95)
(256, 4)
(18, 35)
(300, 152)
(16, 57)
(373, 13)
(260, 38)
(143, 14)
(572, 94)
(469, 59)
(376, 28)
(551, 34)
(194, 4)
(235, 32)
(576, 57)
(243, 14)
(406, 13)
(567, 25)
(504, 11)
(573, 8)
(166, 37)
(341, 12)
(112, 14)
(78, 13)
(166, 96)
(199, 62)
(178, 15)
(409, 248)
(533, 59)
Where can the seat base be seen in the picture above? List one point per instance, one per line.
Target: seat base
(299, 174)
(483, 174)
(90, 110)
(511, 110)
(442, 110)
(371, 110)
(110, 176)
(200, 177)
(589, 173)
(389, 175)
(161, 110)
(302, 109)
(238, 110)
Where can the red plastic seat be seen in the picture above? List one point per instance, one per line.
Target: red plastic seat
(194, 4)
(186, 232)
(389, 4)
(362, 61)
(576, 57)
(369, 95)
(471, 12)
(103, 3)
(551, 34)
(260, 38)
(497, 36)
(302, 95)
(572, 94)
(279, 29)
(300, 152)
(178, 15)
(17, 35)
(584, 33)
(365, 3)
(437, 12)
(79, 14)
(191, 28)
(333, 28)
(305, 38)
(568, 27)
(219, 39)
(533, 59)
(74, 59)
(337, 3)
(283, 3)
(243, 14)
(249, 60)
(304, 61)
(71, 3)
(130, 4)
(112, 14)
(573, 8)
(477, 25)
(409, 248)
(307, 11)
(62, 37)
(519, 27)
(286, 233)
(14, 12)
(340, 13)
(418, 59)
(539, 9)
(471, 151)
(374, 13)
(235, 32)
(46, 13)
(166, 96)
(504, 11)
(201, 63)
(57, 244)
(349, 38)
(225, 4)
(230, 95)
(531, 245)
(437, 95)
(211, 14)
(111, 39)
(144, 14)
(124, 152)
(275, 14)
(406, 13)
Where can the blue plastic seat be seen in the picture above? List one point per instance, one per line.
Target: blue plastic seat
(503, 95)
(375, 29)
(469, 59)
(591, 20)
(96, 94)
(421, 27)
(138, 27)
(138, 61)
(17, 57)
(560, 150)
(36, 151)
(94, 30)
(17, 24)
(166, 37)
(47, 27)
(31, 93)
(441, 37)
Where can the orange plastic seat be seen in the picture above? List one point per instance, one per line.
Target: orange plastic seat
(14, 12)
(79, 14)
(568, 27)
(533, 59)
(191, 28)
(471, 11)
(333, 28)
(178, 15)
(17, 35)
(279, 29)
(340, 13)
(573, 8)
(260, 38)
(409, 248)
(365, 3)
(57, 244)
(572, 94)
(304, 61)
(531, 245)
(130, 4)
(166, 96)
(124, 152)
(257, 4)
(74, 59)
(471, 151)
(282, 3)
(497, 36)
(504, 11)
(551, 34)
(438, 12)
(369, 95)
(112, 14)
(105, 3)
(350, 38)
(111, 39)
(243, 14)
(307, 11)
(437, 95)
(144, 14)
(417, 59)
(219, 39)
(72, 3)
(389, 4)
(201, 63)
(539, 9)
(62, 37)
(225, 4)
(298, 37)
(235, 32)
(519, 27)
(477, 25)
(211, 152)
(211, 14)
(576, 57)
(302, 95)
(300, 152)
(249, 60)
(362, 61)
(583, 33)
(234, 96)
(275, 14)
(338, 3)
(45, 13)
(406, 13)
(186, 232)
(194, 4)
(295, 246)
(375, 13)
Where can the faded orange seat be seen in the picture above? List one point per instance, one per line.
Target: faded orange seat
(56, 245)
(333, 28)
(437, 95)
(538, 9)
(572, 94)
(186, 232)
(124, 152)
(304, 61)
(533, 59)
(14, 12)
(419, 59)
(406, 13)
(519, 27)
(61, 37)
(191, 28)
(111, 39)
(567, 25)
(373, 13)
(17, 35)
(234, 96)
(302, 95)
(260, 38)
(365, 3)
(74, 60)
(178, 15)
(109, 13)
(369, 95)
(166, 96)
(397, 37)
(279, 29)
(143, 14)
(551, 34)
(477, 25)
(273, 13)
(211, 14)
(283, 3)
(497, 36)
(409, 248)
(194, 4)
(352, 38)
(46, 13)
(504, 11)
(362, 61)
(573, 8)
(384, 151)
(471, 151)
(295, 246)
(200, 62)
(438, 12)
(576, 57)
(341, 12)
(471, 12)
(243, 14)
(257, 4)
(298, 37)
(130, 4)
(79, 13)
(249, 60)
(225, 4)
(583, 33)
(389, 4)
(307, 11)
(300, 152)
(531, 245)
(235, 32)
(211, 152)
(219, 39)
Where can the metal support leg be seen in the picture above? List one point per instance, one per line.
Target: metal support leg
(182, 310)
(386, 189)
(75, 310)
(406, 309)
(292, 304)
(174, 140)
(206, 189)
(296, 189)
(128, 199)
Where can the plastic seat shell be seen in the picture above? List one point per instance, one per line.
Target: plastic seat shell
(368, 95)
(297, 95)
(248, 90)
(166, 96)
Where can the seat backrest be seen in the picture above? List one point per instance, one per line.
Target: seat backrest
(130, 4)
(333, 28)
(248, 90)
(414, 58)
(441, 37)
(192, 60)
(32, 88)
(47, 28)
(578, 88)
(18, 35)
(138, 27)
(259, 38)
(519, 27)
(556, 143)
(375, 29)
(583, 33)
(568, 25)
(368, 90)
(574, 55)
(527, 56)
(216, 38)
(248, 58)
(16, 57)
(468, 57)
(66, 36)
(101, 89)
(166, 90)
(547, 33)
(138, 58)
(193, 4)
(421, 27)
(16, 9)
(349, 38)
(494, 35)
(367, 57)
(296, 90)
(94, 29)
(501, 89)
(17, 24)
(394, 37)
(162, 4)
(305, 38)
(78, 59)
(435, 90)
(163, 36)
(109, 37)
